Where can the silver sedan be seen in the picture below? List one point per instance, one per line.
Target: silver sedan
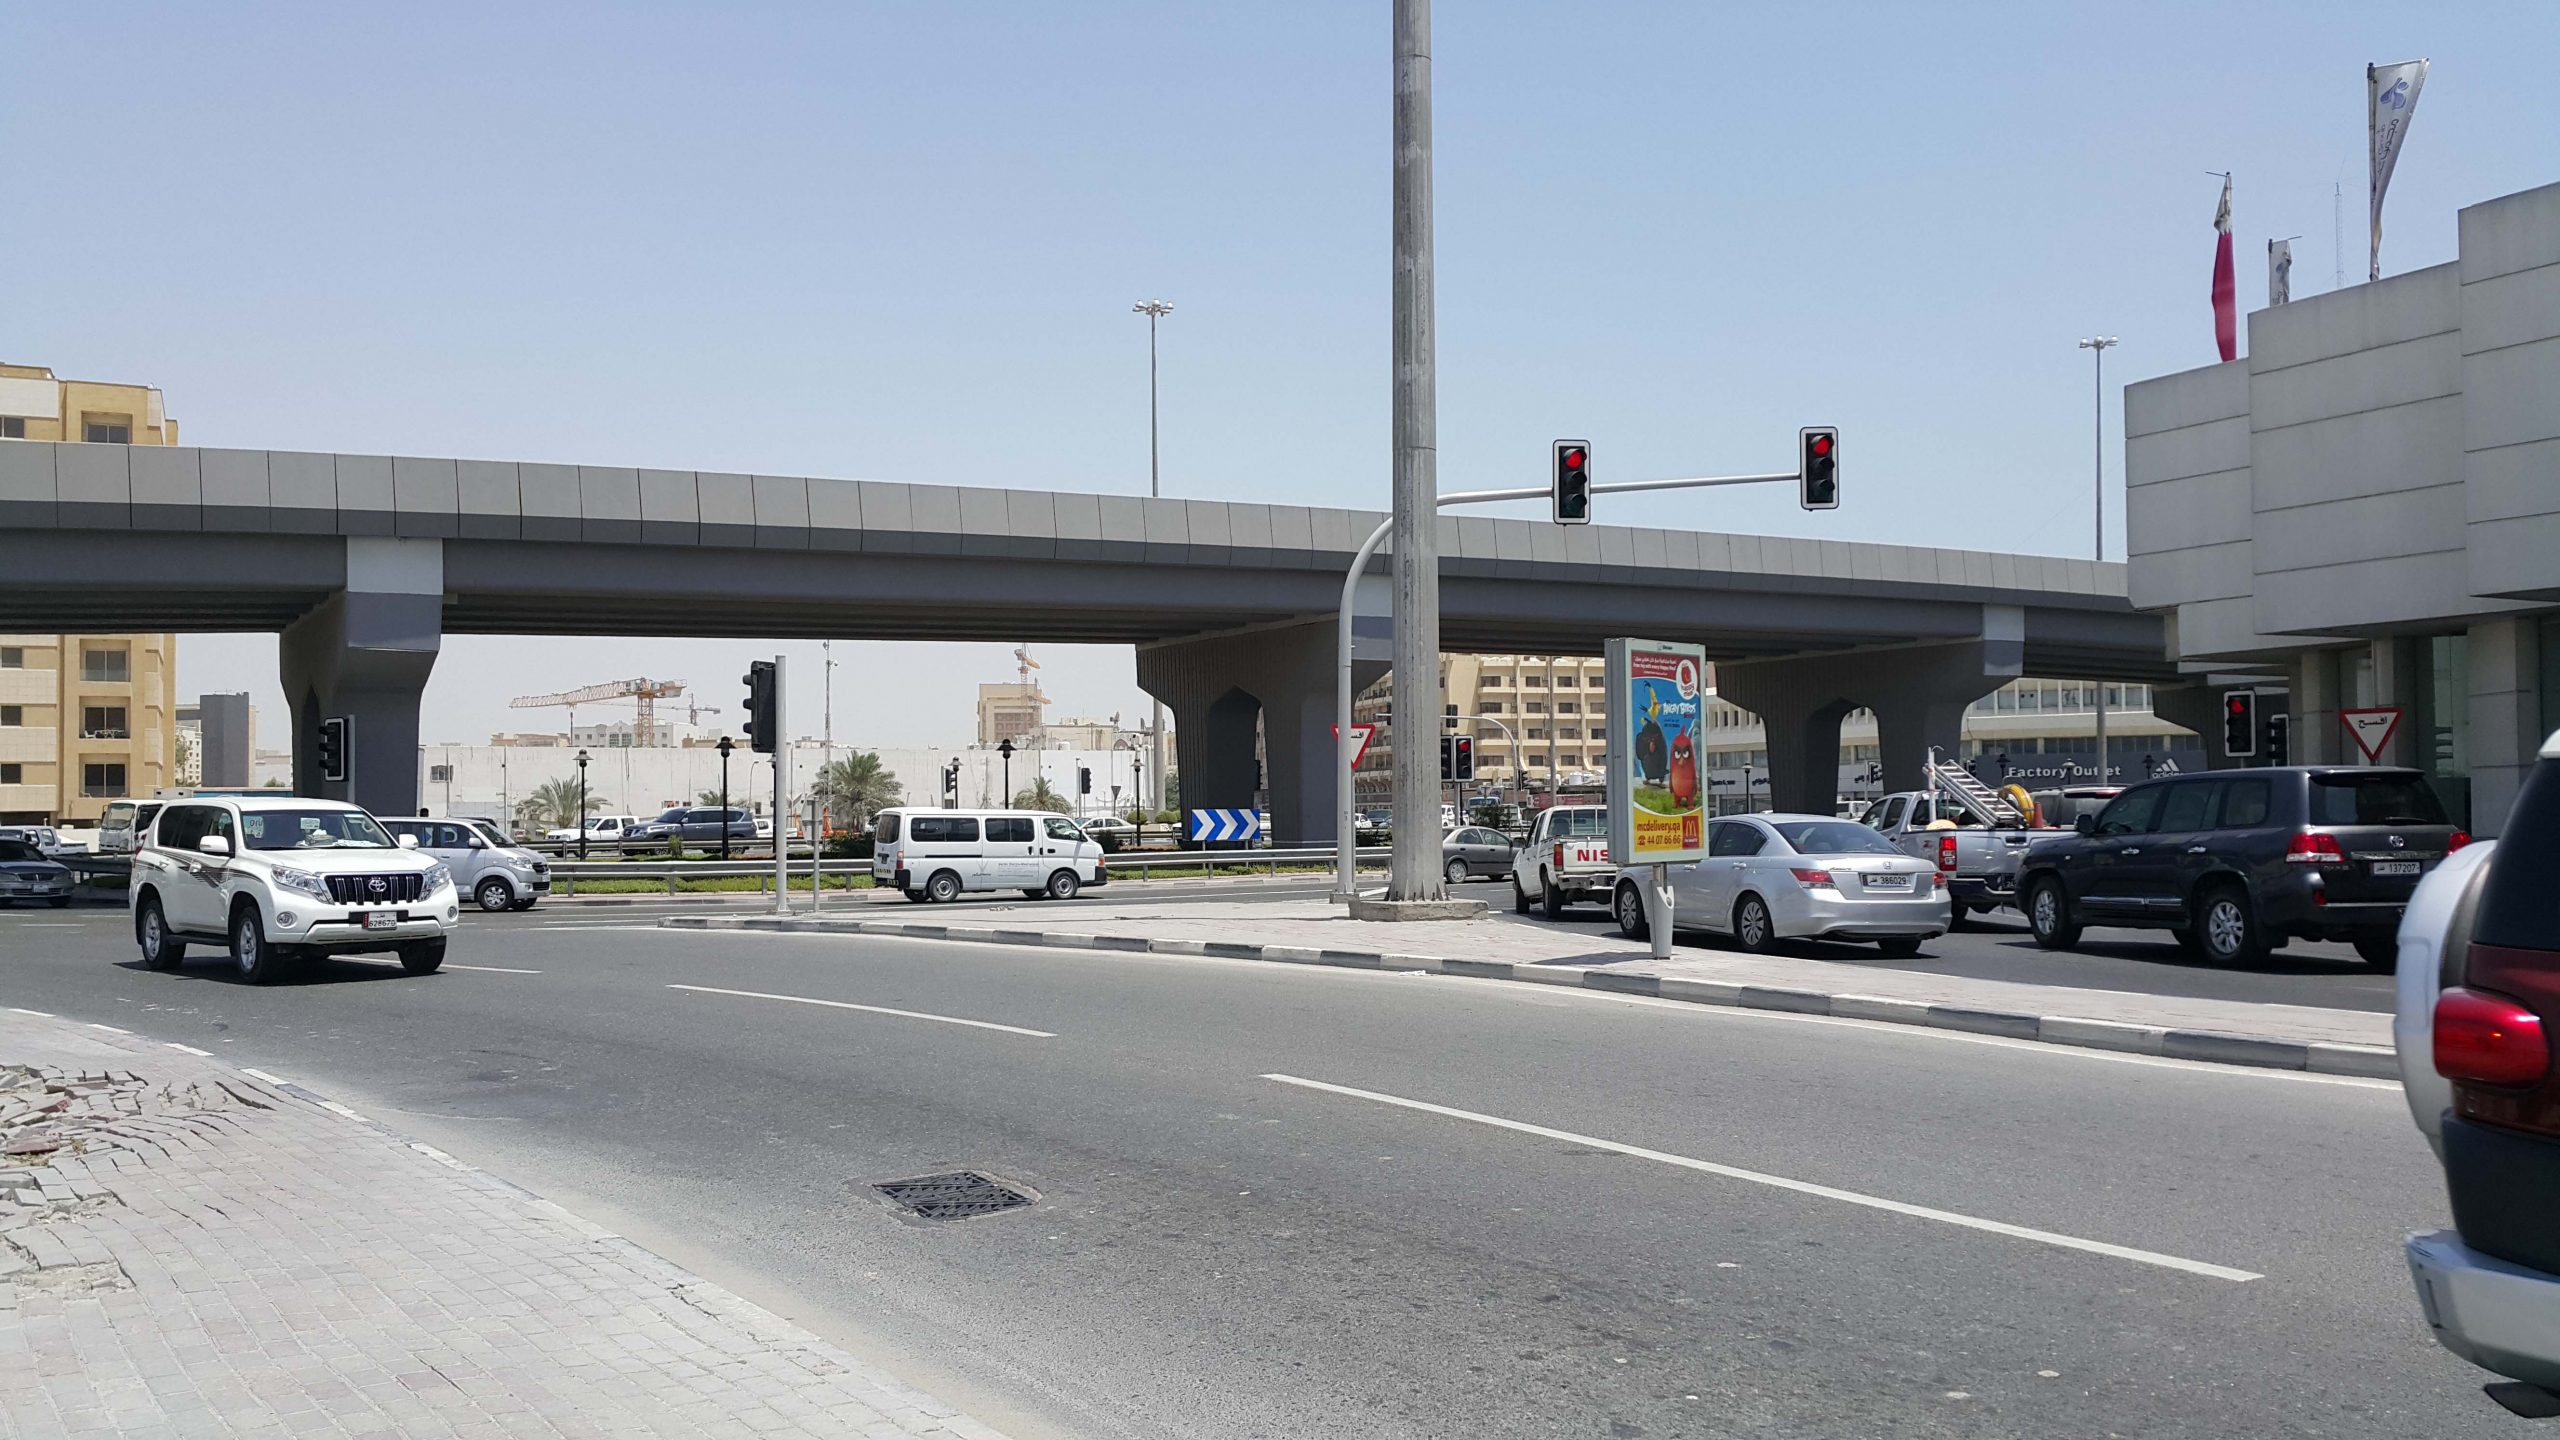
(1769, 878)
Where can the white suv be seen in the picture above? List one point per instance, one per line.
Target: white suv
(275, 877)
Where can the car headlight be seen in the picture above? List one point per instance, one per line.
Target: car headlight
(439, 876)
(301, 880)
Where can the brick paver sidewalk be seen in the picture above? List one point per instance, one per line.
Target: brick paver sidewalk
(186, 1251)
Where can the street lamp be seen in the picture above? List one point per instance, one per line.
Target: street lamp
(725, 747)
(1154, 310)
(2097, 346)
(1004, 748)
(582, 804)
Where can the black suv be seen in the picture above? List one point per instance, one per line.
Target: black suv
(2236, 862)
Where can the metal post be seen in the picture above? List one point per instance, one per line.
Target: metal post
(781, 795)
(817, 855)
(1415, 872)
(1346, 820)
(725, 748)
(1154, 310)
(2097, 348)
(1658, 907)
(581, 821)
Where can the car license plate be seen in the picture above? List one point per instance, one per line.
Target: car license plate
(380, 920)
(2395, 867)
(1887, 882)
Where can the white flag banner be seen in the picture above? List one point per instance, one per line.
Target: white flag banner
(2390, 99)
(2279, 271)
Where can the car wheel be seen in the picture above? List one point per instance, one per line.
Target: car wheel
(526, 903)
(421, 957)
(493, 895)
(1062, 885)
(1035, 894)
(2381, 951)
(160, 949)
(1550, 896)
(1457, 872)
(1753, 930)
(943, 888)
(1628, 904)
(1901, 947)
(1519, 897)
(2229, 929)
(258, 961)
(2049, 916)
(2187, 938)
(1959, 916)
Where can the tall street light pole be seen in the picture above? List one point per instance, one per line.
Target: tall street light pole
(1415, 872)
(1154, 310)
(2097, 347)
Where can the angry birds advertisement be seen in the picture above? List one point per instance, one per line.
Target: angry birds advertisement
(1658, 795)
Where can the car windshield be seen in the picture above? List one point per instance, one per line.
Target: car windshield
(1831, 837)
(1580, 823)
(489, 832)
(2374, 800)
(674, 817)
(313, 830)
(18, 850)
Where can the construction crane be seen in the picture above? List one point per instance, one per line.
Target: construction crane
(644, 728)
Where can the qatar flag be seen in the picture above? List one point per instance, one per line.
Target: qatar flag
(2226, 316)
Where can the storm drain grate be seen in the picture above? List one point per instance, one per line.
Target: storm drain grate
(954, 1196)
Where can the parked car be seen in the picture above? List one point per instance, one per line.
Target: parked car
(121, 829)
(1769, 878)
(1473, 851)
(938, 854)
(601, 830)
(1977, 859)
(1376, 822)
(1566, 858)
(1100, 825)
(683, 822)
(2478, 1004)
(27, 873)
(2236, 862)
(494, 871)
(44, 838)
(283, 877)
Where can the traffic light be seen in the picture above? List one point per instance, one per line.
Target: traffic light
(331, 741)
(2274, 731)
(1571, 489)
(763, 725)
(1818, 467)
(1457, 757)
(1084, 779)
(2239, 723)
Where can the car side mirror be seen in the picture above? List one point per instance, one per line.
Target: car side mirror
(213, 845)
(408, 842)
(478, 844)
(2086, 824)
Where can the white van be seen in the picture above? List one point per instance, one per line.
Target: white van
(937, 854)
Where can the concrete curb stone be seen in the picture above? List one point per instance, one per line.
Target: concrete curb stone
(2216, 1047)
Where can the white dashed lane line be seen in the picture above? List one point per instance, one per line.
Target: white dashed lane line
(869, 1009)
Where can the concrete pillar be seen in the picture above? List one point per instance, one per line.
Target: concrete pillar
(1219, 686)
(1918, 694)
(2398, 672)
(2318, 737)
(365, 654)
(2506, 715)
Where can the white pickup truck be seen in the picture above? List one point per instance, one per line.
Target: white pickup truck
(1976, 854)
(1565, 859)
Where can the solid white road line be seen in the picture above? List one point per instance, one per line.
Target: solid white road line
(110, 1029)
(334, 1108)
(263, 1075)
(1801, 1187)
(491, 969)
(190, 1049)
(873, 1009)
(39, 1014)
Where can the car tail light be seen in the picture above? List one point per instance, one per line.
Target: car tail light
(1947, 853)
(2312, 847)
(2489, 1040)
(1559, 857)
(2460, 839)
(1811, 877)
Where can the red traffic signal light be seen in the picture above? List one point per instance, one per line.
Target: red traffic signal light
(1818, 467)
(1569, 488)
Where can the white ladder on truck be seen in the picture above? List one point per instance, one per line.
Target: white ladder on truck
(1963, 786)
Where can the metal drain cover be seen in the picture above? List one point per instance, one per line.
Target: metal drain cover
(956, 1195)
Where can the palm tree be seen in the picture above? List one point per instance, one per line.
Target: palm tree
(713, 798)
(554, 805)
(855, 787)
(1038, 796)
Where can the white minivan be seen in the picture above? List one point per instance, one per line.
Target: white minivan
(937, 854)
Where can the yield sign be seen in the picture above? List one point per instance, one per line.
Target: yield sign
(1360, 737)
(2372, 728)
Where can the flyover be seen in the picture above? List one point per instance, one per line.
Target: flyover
(364, 562)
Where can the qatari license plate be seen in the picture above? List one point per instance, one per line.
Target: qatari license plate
(1886, 882)
(381, 920)
(2395, 867)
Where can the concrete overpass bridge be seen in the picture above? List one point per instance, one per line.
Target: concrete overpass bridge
(364, 562)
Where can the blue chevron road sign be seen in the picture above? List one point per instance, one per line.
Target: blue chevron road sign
(1225, 824)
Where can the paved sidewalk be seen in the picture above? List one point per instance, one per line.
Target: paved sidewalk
(188, 1251)
(1502, 946)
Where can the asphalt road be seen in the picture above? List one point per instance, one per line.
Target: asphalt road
(2001, 1239)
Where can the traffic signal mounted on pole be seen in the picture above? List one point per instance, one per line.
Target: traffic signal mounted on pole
(1571, 487)
(1818, 467)
(2274, 732)
(1457, 757)
(763, 725)
(1084, 779)
(2240, 723)
(331, 742)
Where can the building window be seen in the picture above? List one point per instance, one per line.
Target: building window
(13, 427)
(1495, 682)
(1566, 707)
(107, 429)
(103, 779)
(12, 774)
(1534, 682)
(1491, 707)
(113, 667)
(12, 715)
(103, 722)
(1535, 733)
(1569, 733)
(13, 657)
(1535, 707)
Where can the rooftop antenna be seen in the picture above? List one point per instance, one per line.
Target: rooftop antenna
(2338, 228)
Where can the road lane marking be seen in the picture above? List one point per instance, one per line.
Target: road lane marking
(23, 1010)
(263, 1075)
(190, 1049)
(1780, 1182)
(873, 1009)
(491, 969)
(334, 1108)
(110, 1029)
(50, 925)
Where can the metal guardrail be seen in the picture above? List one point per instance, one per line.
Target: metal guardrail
(565, 874)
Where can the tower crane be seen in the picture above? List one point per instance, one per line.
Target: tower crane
(644, 728)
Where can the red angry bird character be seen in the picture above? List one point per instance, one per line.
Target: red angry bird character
(1684, 769)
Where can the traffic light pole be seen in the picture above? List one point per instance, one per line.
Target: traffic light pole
(781, 796)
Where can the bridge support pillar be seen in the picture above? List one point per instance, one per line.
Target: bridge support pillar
(1218, 686)
(364, 654)
(1918, 694)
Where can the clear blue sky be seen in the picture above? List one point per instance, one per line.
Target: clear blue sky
(902, 242)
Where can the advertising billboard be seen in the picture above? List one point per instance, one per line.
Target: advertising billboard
(1657, 703)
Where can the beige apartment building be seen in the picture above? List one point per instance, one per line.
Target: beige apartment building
(1536, 719)
(84, 719)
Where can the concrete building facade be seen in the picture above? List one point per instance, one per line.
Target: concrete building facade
(2366, 508)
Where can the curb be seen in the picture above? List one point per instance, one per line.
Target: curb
(2372, 1062)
